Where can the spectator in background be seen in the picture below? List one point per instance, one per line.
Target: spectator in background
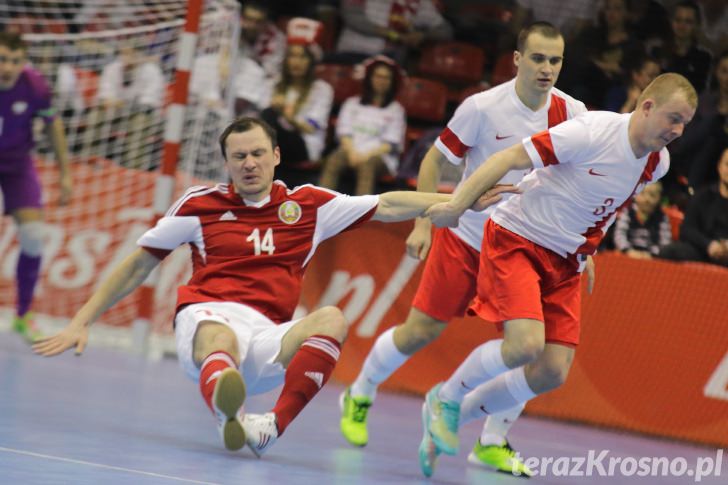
(622, 98)
(642, 229)
(370, 128)
(391, 27)
(298, 105)
(131, 93)
(704, 232)
(650, 20)
(706, 137)
(601, 52)
(571, 17)
(260, 39)
(681, 53)
(715, 25)
(260, 54)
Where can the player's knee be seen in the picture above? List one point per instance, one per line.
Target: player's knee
(30, 237)
(331, 322)
(550, 375)
(522, 351)
(422, 331)
(214, 337)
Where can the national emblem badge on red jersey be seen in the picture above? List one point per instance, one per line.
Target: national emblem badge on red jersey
(289, 212)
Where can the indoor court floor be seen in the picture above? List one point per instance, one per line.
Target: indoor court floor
(110, 417)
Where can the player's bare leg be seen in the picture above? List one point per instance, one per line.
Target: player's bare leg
(390, 351)
(216, 352)
(523, 342)
(309, 352)
(30, 226)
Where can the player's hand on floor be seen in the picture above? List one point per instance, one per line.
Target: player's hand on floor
(72, 335)
(493, 195)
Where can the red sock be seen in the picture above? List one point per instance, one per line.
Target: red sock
(306, 374)
(211, 367)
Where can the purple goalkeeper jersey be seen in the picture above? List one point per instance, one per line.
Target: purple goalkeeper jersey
(30, 97)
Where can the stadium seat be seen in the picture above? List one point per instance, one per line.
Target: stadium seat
(504, 69)
(340, 76)
(470, 90)
(455, 62)
(423, 99)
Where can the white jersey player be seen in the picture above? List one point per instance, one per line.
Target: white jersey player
(484, 124)
(585, 170)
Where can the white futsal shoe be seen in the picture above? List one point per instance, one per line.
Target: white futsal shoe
(227, 401)
(260, 432)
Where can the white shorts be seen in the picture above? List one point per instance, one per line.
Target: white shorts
(259, 341)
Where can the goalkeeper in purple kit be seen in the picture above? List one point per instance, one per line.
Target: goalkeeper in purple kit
(24, 96)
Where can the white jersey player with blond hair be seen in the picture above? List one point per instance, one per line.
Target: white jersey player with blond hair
(483, 124)
(251, 242)
(585, 169)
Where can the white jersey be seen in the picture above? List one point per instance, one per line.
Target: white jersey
(370, 126)
(147, 86)
(585, 171)
(491, 121)
(315, 111)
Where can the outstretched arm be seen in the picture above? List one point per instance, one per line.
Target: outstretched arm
(128, 275)
(479, 183)
(401, 206)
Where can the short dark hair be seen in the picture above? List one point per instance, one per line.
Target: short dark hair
(690, 5)
(13, 41)
(546, 29)
(247, 123)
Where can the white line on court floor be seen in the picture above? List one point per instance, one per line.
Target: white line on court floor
(100, 465)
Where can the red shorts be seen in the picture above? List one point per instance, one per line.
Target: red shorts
(520, 279)
(449, 279)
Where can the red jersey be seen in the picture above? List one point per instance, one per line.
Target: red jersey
(253, 253)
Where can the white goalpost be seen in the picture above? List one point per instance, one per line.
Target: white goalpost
(113, 69)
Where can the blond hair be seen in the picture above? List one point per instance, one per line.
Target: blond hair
(665, 86)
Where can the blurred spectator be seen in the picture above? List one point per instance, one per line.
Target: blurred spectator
(681, 53)
(706, 136)
(298, 105)
(715, 25)
(130, 95)
(623, 97)
(571, 17)
(260, 39)
(600, 53)
(370, 129)
(704, 232)
(643, 229)
(650, 20)
(390, 27)
(260, 55)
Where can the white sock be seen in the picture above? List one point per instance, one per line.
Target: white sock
(503, 392)
(382, 361)
(497, 425)
(483, 364)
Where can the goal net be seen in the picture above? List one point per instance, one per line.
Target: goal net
(111, 67)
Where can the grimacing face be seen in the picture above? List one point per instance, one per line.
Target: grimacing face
(540, 63)
(12, 63)
(251, 161)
